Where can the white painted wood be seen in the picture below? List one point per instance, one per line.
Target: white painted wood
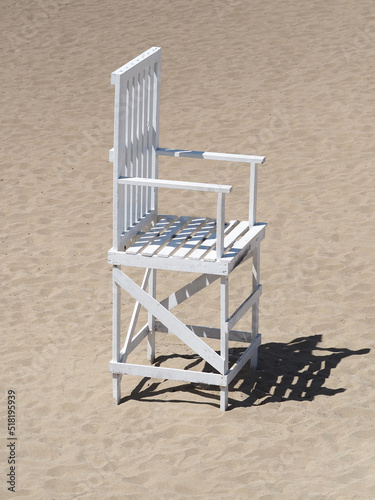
(224, 337)
(189, 186)
(165, 236)
(211, 333)
(224, 327)
(187, 291)
(256, 286)
(220, 222)
(253, 193)
(206, 155)
(151, 320)
(146, 238)
(167, 373)
(223, 397)
(142, 238)
(144, 156)
(182, 237)
(134, 319)
(155, 126)
(196, 240)
(244, 307)
(124, 148)
(116, 318)
(116, 384)
(118, 163)
(244, 358)
(127, 238)
(230, 238)
(170, 264)
(208, 243)
(135, 138)
(116, 338)
(169, 320)
(244, 247)
(144, 60)
(135, 341)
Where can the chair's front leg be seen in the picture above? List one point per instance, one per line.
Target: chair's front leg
(151, 319)
(224, 335)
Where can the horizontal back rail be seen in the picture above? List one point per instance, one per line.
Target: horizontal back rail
(207, 155)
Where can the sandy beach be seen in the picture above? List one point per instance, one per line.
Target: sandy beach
(291, 80)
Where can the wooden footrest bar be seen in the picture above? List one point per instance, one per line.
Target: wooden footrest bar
(167, 373)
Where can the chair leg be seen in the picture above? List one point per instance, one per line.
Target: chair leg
(151, 320)
(116, 339)
(224, 335)
(223, 398)
(255, 309)
(117, 389)
(254, 361)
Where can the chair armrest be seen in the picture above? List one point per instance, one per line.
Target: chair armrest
(206, 155)
(160, 183)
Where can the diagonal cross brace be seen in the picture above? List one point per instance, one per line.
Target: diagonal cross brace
(169, 320)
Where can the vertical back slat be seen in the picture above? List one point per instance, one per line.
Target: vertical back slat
(155, 126)
(127, 156)
(148, 136)
(138, 144)
(144, 209)
(152, 156)
(133, 148)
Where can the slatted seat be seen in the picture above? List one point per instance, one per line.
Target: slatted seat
(190, 244)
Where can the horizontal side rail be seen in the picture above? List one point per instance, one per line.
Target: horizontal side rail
(160, 183)
(207, 155)
(167, 373)
(210, 332)
(244, 307)
(244, 358)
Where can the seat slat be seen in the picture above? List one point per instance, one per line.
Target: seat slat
(231, 237)
(208, 243)
(181, 238)
(242, 242)
(150, 235)
(196, 239)
(165, 236)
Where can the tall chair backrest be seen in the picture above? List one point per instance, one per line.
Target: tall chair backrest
(136, 138)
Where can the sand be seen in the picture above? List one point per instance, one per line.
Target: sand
(292, 80)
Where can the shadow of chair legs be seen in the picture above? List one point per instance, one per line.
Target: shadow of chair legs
(287, 371)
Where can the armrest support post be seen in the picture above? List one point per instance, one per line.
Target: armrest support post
(220, 222)
(253, 193)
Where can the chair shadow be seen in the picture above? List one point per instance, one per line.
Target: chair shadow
(292, 371)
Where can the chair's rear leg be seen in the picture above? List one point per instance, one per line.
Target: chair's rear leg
(254, 361)
(255, 308)
(151, 319)
(116, 339)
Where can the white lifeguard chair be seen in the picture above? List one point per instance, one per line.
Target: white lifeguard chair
(189, 244)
